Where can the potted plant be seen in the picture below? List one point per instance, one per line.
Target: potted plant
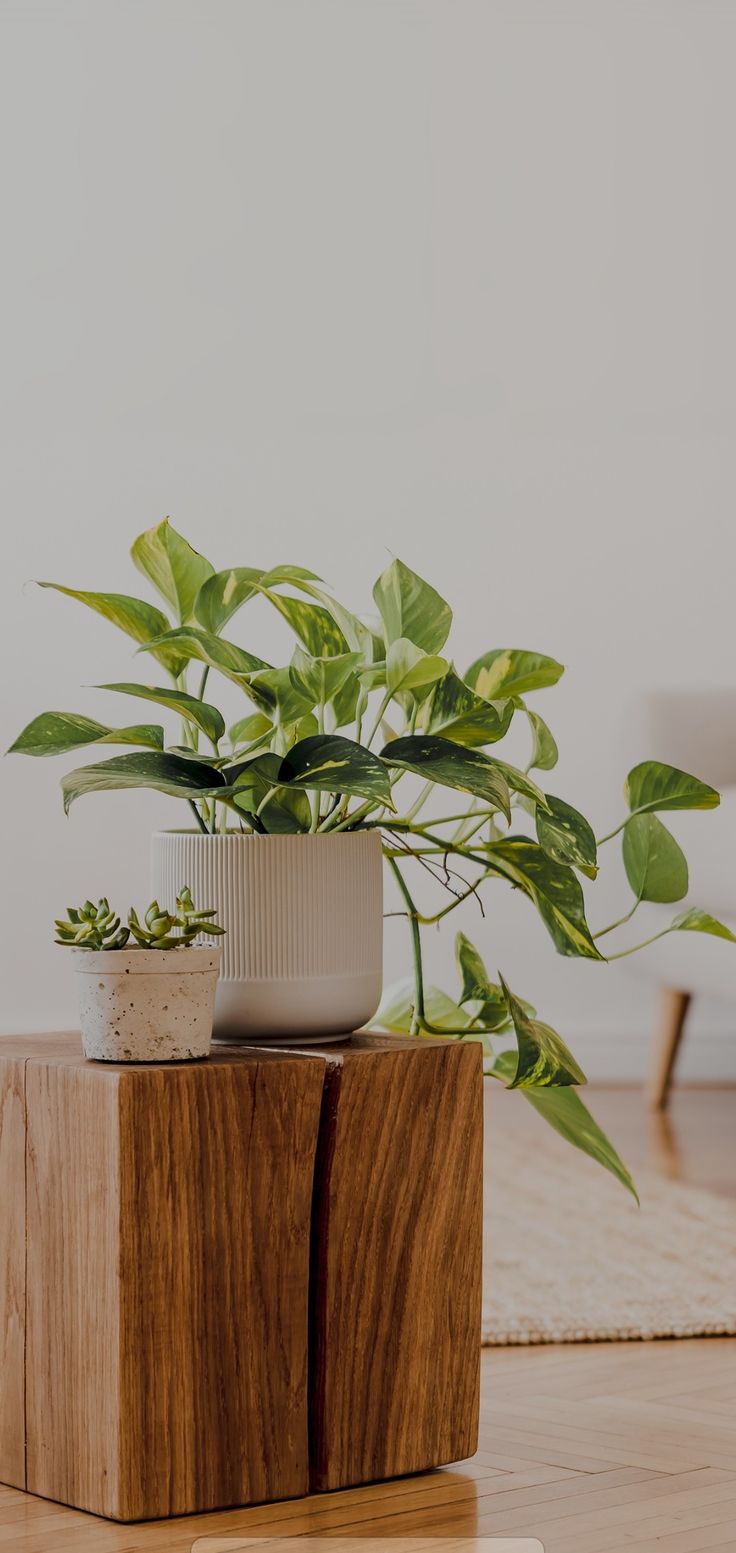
(153, 1001)
(295, 802)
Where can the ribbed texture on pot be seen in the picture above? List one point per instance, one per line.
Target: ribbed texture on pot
(293, 906)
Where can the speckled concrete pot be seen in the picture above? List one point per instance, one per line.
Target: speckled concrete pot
(147, 1005)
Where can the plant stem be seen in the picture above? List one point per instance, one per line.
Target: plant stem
(447, 819)
(458, 900)
(415, 851)
(264, 801)
(382, 708)
(465, 820)
(622, 953)
(360, 709)
(420, 802)
(337, 800)
(419, 1018)
(619, 921)
(203, 682)
(197, 815)
(603, 839)
(437, 844)
(357, 815)
(463, 833)
(416, 945)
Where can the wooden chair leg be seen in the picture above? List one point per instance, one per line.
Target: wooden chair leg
(673, 1010)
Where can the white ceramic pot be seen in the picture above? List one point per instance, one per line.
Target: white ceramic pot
(146, 1005)
(303, 951)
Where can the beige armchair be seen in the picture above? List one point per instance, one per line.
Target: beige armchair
(695, 730)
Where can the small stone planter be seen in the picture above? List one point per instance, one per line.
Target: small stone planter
(147, 1005)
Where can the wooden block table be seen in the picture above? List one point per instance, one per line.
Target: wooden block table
(395, 1362)
(225, 1282)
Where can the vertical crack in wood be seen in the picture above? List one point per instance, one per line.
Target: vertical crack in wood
(318, 1339)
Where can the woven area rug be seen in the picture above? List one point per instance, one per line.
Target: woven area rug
(569, 1257)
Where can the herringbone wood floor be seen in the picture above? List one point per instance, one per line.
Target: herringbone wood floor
(593, 1448)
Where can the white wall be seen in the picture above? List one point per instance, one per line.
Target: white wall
(326, 278)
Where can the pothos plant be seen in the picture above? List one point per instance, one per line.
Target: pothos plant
(325, 744)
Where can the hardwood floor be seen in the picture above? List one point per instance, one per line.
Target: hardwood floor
(591, 1448)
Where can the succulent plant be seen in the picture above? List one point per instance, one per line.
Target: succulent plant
(166, 930)
(97, 927)
(92, 927)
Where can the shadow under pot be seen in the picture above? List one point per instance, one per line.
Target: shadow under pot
(303, 951)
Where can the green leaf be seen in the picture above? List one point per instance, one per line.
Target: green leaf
(256, 726)
(300, 576)
(332, 764)
(321, 679)
(697, 921)
(410, 669)
(566, 836)
(189, 707)
(357, 636)
(543, 1058)
(545, 753)
(563, 1110)
(474, 975)
(286, 812)
(274, 691)
(397, 1009)
(232, 661)
(285, 738)
(222, 593)
(164, 773)
(175, 569)
(490, 1006)
(184, 750)
(457, 713)
(409, 607)
(493, 1012)
(345, 704)
(257, 791)
(54, 733)
(451, 765)
(553, 888)
(313, 624)
(656, 867)
(520, 783)
(135, 617)
(373, 675)
(510, 671)
(653, 785)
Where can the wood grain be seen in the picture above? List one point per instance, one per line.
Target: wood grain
(533, 1476)
(12, 1271)
(396, 1263)
(73, 1312)
(168, 1251)
(629, 1401)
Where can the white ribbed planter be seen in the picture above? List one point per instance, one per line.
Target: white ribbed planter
(303, 951)
(146, 1005)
